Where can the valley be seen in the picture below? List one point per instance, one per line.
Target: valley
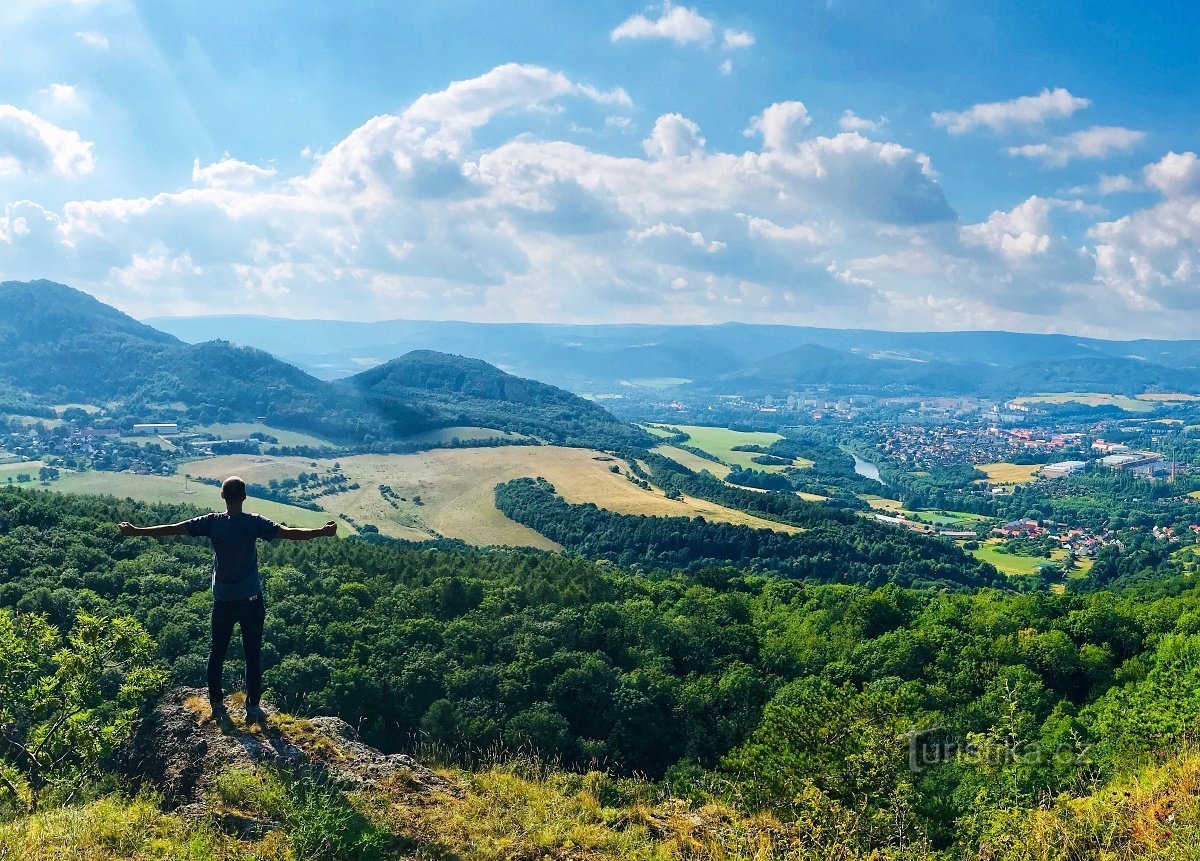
(690, 580)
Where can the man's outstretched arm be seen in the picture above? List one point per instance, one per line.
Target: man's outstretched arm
(294, 533)
(154, 531)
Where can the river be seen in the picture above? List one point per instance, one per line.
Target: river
(866, 468)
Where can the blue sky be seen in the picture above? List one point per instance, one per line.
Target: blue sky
(911, 165)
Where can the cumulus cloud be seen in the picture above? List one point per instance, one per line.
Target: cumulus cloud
(726, 67)
(852, 122)
(674, 135)
(416, 213)
(780, 124)
(1096, 142)
(1175, 175)
(1025, 232)
(679, 24)
(230, 173)
(30, 144)
(1150, 259)
(734, 39)
(999, 116)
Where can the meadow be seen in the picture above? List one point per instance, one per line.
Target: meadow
(242, 430)
(1014, 564)
(720, 442)
(159, 488)
(444, 436)
(455, 489)
(1139, 404)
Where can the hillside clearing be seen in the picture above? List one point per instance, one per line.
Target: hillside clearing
(242, 430)
(720, 442)
(1013, 564)
(692, 461)
(456, 488)
(170, 489)
(444, 436)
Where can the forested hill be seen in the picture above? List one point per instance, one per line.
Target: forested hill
(59, 345)
(477, 393)
(858, 721)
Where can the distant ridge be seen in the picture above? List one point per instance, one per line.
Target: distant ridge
(616, 357)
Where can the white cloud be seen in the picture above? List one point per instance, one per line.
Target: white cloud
(30, 144)
(779, 124)
(230, 173)
(1024, 232)
(1150, 259)
(1175, 175)
(734, 39)
(93, 39)
(679, 24)
(418, 214)
(726, 67)
(852, 122)
(62, 95)
(999, 116)
(1096, 142)
(1115, 184)
(674, 135)
(618, 122)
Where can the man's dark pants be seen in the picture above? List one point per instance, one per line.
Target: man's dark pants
(249, 615)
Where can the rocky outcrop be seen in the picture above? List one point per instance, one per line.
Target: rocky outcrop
(178, 746)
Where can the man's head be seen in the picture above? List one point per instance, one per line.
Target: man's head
(233, 491)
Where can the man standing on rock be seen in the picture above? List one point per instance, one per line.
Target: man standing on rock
(237, 587)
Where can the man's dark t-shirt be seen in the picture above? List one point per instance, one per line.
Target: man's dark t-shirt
(235, 564)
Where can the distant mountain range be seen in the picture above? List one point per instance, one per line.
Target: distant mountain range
(59, 345)
(729, 358)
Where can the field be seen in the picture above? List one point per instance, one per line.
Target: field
(456, 490)
(1091, 399)
(12, 470)
(720, 442)
(955, 519)
(656, 430)
(160, 488)
(693, 462)
(1011, 563)
(1168, 397)
(442, 436)
(241, 430)
(1009, 473)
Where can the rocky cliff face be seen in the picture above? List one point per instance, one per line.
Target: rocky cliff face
(178, 747)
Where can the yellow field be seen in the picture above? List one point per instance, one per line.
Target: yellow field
(693, 462)
(456, 488)
(1009, 473)
(160, 488)
(881, 503)
(811, 497)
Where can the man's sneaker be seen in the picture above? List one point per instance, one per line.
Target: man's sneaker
(254, 715)
(219, 713)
